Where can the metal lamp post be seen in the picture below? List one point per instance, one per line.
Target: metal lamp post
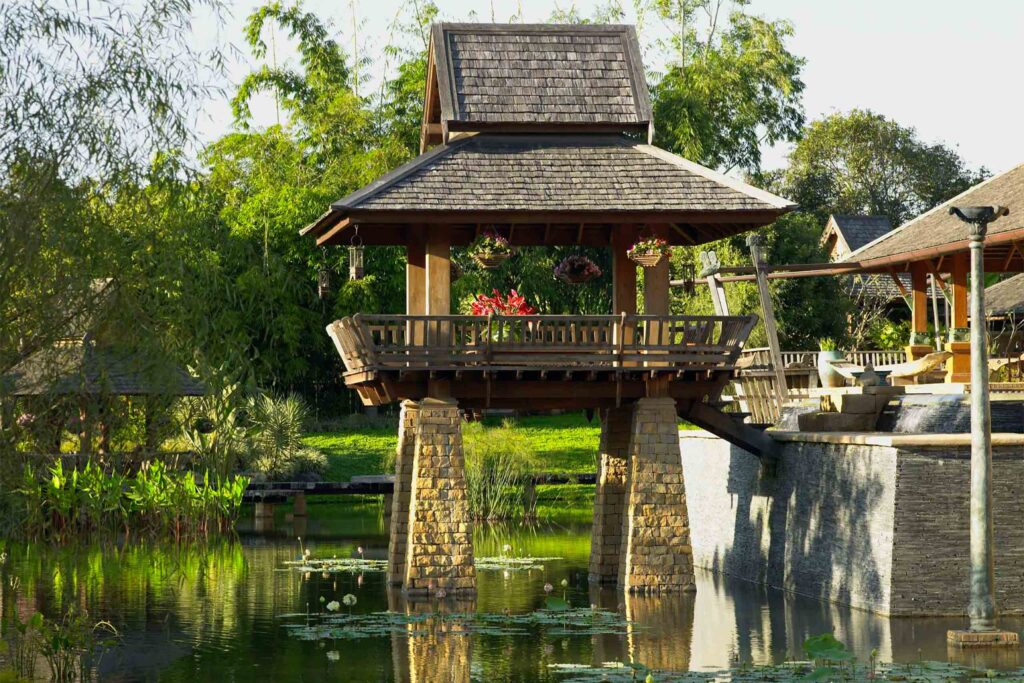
(982, 608)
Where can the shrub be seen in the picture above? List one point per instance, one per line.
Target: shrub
(276, 428)
(498, 460)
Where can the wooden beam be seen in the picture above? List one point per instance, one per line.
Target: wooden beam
(919, 298)
(656, 288)
(438, 271)
(623, 271)
(899, 284)
(416, 272)
(1014, 246)
(756, 244)
(333, 232)
(958, 273)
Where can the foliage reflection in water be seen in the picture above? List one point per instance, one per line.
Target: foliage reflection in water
(213, 612)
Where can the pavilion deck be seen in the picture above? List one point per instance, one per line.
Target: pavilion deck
(540, 361)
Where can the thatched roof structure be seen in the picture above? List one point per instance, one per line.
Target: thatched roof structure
(81, 368)
(1006, 297)
(936, 234)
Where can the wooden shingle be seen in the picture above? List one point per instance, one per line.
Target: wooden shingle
(495, 74)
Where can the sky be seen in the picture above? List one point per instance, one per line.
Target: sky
(947, 68)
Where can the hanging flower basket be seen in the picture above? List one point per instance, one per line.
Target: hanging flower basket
(490, 261)
(490, 250)
(649, 253)
(576, 269)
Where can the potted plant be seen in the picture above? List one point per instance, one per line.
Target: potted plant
(577, 269)
(649, 252)
(826, 373)
(490, 249)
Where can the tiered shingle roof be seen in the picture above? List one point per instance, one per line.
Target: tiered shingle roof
(540, 74)
(556, 173)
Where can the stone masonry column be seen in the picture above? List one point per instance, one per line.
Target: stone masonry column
(407, 423)
(610, 496)
(655, 529)
(439, 554)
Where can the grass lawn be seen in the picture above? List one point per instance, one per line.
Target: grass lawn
(563, 443)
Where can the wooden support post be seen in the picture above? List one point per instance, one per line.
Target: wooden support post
(958, 368)
(623, 271)
(935, 312)
(624, 281)
(438, 271)
(656, 282)
(918, 345)
(416, 272)
(756, 244)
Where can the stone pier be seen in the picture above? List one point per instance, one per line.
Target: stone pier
(610, 495)
(656, 554)
(407, 425)
(439, 548)
(641, 535)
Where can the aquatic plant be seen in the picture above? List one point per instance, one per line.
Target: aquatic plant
(71, 646)
(555, 623)
(64, 503)
(498, 462)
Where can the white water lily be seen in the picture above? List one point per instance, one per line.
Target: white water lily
(349, 600)
(333, 606)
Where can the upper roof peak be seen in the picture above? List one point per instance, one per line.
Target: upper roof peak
(520, 77)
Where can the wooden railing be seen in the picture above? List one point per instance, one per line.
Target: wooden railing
(761, 356)
(452, 342)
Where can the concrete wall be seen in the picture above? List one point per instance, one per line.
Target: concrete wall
(878, 527)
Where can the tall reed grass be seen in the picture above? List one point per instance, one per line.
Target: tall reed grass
(498, 462)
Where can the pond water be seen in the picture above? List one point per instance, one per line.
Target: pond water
(215, 613)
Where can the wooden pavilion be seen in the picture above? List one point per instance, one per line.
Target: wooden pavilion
(938, 243)
(541, 133)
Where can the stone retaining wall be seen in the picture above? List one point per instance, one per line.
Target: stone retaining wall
(878, 527)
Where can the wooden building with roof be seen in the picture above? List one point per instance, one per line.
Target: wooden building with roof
(938, 243)
(541, 134)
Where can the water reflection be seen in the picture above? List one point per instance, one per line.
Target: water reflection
(213, 613)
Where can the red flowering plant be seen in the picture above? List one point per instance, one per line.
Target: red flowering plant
(512, 304)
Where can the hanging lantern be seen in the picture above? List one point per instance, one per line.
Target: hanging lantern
(355, 257)
(323, 282)
(323, 278)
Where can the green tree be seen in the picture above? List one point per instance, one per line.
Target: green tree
(864, 163)
(806, 309)
(731, 85)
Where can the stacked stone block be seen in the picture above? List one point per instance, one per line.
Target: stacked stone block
(439, 553)
(407, 427)
(656, 554)
(610, 496)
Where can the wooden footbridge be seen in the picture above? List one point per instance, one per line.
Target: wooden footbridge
(554, 151)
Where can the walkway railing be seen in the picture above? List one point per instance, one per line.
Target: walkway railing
(596, 342)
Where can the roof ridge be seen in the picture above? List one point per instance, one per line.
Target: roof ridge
(733, 183)
(929, 212)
